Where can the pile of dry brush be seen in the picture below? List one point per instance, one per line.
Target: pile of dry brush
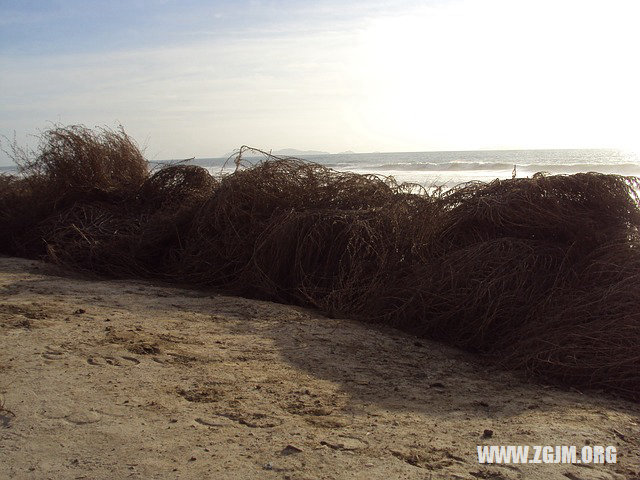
(543, 273)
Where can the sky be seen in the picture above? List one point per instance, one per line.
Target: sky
(202, 78)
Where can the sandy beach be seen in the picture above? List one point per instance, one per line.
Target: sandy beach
(127, 379)
(319, 240)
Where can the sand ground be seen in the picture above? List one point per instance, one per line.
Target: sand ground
(128, 379)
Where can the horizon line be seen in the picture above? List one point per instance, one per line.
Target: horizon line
(302, 152)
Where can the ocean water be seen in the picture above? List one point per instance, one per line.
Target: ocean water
(451, 168)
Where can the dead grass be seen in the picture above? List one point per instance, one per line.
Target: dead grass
(541, 273)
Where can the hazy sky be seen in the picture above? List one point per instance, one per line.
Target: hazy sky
(201, 78)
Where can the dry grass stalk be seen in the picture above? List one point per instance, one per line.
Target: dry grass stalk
(541, 272)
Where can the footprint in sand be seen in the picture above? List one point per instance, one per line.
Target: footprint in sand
(174, 358)
(77, 416)
(213, 423)
(124, 361)
(52, 353)
(80, 417)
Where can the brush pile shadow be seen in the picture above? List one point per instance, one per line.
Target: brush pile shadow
(541, 272)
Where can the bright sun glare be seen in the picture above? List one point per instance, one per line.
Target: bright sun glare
(561, 73)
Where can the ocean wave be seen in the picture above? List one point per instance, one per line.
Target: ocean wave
(499, 166)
